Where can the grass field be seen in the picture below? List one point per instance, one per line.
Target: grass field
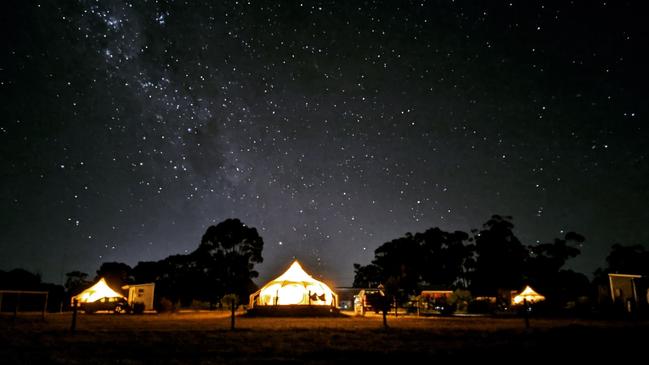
(206, 338)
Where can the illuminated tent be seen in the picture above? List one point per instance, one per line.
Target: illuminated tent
(294, 287)
(98, 291)
(528, 294)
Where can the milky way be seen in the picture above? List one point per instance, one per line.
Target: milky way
(129, 127)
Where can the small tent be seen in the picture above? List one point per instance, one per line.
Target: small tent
(528, 294)
(96, 292)
(294, 287)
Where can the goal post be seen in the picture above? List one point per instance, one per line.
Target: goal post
(15, 301)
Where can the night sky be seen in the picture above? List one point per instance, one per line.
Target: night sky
(128, 127)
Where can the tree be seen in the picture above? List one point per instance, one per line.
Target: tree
(227, 254)
(147, 271)
(632, 259)
(434, 257)
(222, 263)
(76, 281)
(19, 279)
(368, 276)
(501, 257)
(447, 257)
(400, 259)
(115, 273)
(544, 269)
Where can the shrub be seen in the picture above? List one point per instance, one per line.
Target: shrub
(166, 305)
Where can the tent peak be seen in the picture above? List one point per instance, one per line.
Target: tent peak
(294, 287)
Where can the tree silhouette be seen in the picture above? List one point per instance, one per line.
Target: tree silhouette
(544, 269)
(19, 279)
(447, 258)
(501, 258)
(632, 259)
(115, 273)
(368, 276)
(227, 253)
(222, 263)
(432, 258)
(147, 271)
(76, 281)
(402, 260)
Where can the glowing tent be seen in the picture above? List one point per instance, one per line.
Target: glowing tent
(294, 287)
(528, 294)
(96, 292)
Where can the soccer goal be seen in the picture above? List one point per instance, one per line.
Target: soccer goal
(15, 301)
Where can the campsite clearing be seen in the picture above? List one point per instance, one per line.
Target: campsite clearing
(205, 338)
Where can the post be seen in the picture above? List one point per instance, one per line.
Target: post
(526, 313)
(45, 305)
(73, 327)
(232, 317)
(16, 306)
(396, 305)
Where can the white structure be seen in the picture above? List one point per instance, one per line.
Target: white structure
(96, 292)
(294, 287)
(141, 293)
(624, 290)
(527, 295)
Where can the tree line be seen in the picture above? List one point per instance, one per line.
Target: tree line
(483, 261)
(223, 263)
(491, 262)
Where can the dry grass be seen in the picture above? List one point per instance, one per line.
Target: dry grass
(205, 338)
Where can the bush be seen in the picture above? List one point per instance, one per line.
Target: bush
(230, 300)
(481, 306)
(166, 305)
(460, 300)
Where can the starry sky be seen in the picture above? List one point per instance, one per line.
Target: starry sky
(128, 127)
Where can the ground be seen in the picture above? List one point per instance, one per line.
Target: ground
(206, 338)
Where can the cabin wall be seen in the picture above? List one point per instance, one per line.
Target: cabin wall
(142, 294)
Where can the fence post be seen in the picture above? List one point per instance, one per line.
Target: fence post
(73, 326)
(16, 306)
(45, 305)
(526, 313)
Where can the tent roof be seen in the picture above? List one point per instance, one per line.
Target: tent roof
(528, 294)
(295, 274)
(528, 291)
(294, 286)
(97, 291)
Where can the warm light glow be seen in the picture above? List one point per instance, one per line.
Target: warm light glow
(96, 292)
(528, 294)
(295, 286)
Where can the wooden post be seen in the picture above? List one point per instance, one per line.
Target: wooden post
(45, 305)
(16, 306)
(233, 306)
(396, 305)
(386, 307)
(526, 313)
(73, 327)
